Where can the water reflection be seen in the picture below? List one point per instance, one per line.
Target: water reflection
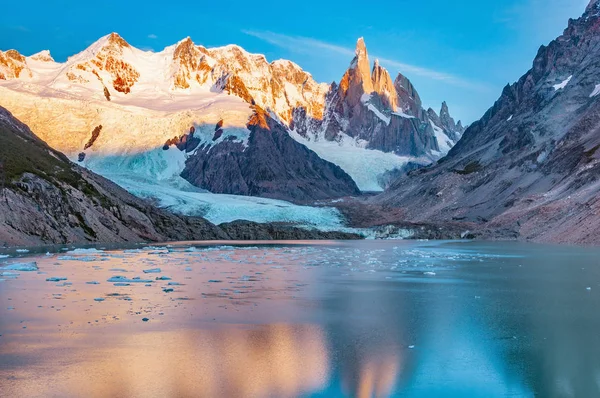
(485, 321)
(273, 360)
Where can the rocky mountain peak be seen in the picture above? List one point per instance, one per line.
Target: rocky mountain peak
(104, 61)
(446, 119)
(383, 86)
(13, 65)
(408, 97)
(357, 80)
(43, 56)
(115, 40)
(190, 64)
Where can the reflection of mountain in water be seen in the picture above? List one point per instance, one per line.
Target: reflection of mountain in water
(275, 360)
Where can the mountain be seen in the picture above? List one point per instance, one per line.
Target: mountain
(530, 167)
(367, 110)
(127, 107)
(44, 198)
(47, 199)
(124, 89)
(271, 164)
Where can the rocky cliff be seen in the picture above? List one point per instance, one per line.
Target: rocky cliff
(530, 167)
(270, 164)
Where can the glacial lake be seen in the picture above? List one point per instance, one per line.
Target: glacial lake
(302, 319)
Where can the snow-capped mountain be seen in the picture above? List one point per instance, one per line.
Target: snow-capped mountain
(367, 110)
(130, 111)
(367, 107)
(112, 69)
(530, 166)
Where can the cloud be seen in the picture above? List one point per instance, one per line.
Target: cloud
(152, 36)
(308, 45)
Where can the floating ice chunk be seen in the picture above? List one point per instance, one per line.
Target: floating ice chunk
(167, 290)
(411, 346)
(214, 281)
(122, 279)
(99, 299)
(588, 288)
(22, 251)
(152, 248)
(429, 273)
(92, 283)
(152, 271)
(66, 258)
(4, 256)
(145, 319)
(32, 266)
(85, 251)
(173, 284)
(163, 278)
(56, 279)
(122, 284)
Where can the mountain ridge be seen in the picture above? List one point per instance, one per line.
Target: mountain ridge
(530, 165)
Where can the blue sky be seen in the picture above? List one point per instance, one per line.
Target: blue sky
(461, 51)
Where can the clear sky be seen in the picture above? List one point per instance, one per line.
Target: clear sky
(461, 51)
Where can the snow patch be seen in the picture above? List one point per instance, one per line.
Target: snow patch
(596, 91)
(402, 114)
(444, 142)
(365, 166)
(563, 84)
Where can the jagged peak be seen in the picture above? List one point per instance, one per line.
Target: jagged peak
(115, 39)
(14, 54)
(43, 55)
(184, 46)
(285, 63)
(361, 47)
(376, 64)
(444, 109)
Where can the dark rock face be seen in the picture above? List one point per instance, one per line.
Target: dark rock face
(388, 116)
(93, 138)
(246, 230)
(185, 142)
(530, 164)
(271, 165)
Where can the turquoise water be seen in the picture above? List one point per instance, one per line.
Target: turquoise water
(361, 319)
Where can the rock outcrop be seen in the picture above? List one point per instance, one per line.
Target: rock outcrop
(530, 165)
(271, 164)
(13, 65)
